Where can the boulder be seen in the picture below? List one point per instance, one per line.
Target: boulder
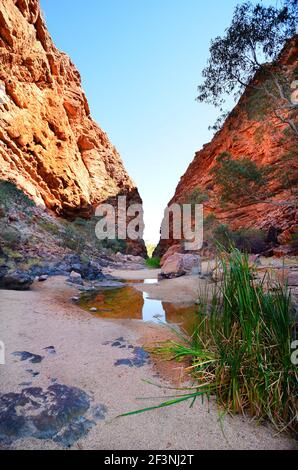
(170, 252)
(16, 280)
(180, 264)
(88, 270)
(75, 278)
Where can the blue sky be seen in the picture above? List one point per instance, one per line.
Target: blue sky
(141, 62)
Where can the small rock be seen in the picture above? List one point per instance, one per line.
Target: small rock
(93, 309)
(32, 372)
(75, 275)
(217, 274)
(75, 278)
(28, 356)
(50, 350)
(75, 299)
(43, 278)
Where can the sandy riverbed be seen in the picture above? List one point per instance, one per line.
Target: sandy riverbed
(99, 367)
(185, 289)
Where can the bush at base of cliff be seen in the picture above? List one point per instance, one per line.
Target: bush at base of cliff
(115, 246)
(72, 239)
(246, 240)
(153, 262)
(80, 236)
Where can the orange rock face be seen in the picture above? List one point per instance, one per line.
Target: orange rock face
(265, 141)
(49, 144)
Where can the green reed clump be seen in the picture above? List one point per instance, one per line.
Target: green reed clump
(240, 349)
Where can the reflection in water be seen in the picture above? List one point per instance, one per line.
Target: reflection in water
(127, 302)
(153, 310)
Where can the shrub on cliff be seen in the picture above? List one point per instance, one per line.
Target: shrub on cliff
(288, 172)
(115, 246)
(72, 239)
(240, 179)
(196, 196)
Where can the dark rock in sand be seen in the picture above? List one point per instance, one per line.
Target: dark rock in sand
(61, 413)
(140, 358)
(28, 356)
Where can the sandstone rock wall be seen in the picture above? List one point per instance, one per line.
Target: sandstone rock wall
(49, 144)
(265, 141)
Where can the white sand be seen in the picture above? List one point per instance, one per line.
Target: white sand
(44, 316)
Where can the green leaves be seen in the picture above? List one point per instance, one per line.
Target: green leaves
(255, 37)
(240, 347)
(196, 196)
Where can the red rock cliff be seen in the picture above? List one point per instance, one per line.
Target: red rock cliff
(49, 144)
(264, 141)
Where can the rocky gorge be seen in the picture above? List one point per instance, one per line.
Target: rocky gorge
(56, 164)
(50, 147)
(87, 325)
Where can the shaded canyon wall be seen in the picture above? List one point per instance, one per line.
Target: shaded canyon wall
(262, 139)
